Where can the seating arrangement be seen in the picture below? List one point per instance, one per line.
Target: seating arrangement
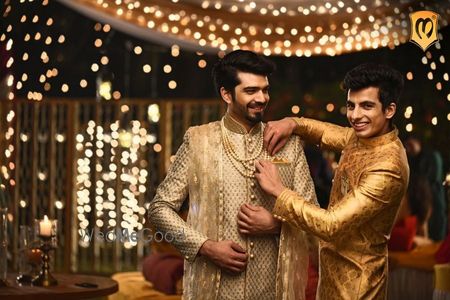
(412, 273)
(133, 286)
(442, 282)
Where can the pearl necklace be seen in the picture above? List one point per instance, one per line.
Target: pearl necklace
(245, 166)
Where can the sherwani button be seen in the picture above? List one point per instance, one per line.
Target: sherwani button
(251, 244)
(252, 197)
(252, 184)
(252, 256)
(187, 257)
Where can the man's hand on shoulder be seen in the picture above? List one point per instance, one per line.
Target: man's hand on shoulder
(256, 220)
(277, 133)
(226, 254)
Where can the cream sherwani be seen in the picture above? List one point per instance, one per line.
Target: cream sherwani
(277, 267)
(368, 185)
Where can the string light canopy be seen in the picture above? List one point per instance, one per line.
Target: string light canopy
(283, 27)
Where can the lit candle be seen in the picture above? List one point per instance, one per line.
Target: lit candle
(45, 227)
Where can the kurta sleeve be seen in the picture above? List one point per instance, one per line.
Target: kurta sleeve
(168, 200)
(324, 134)
(375, 192)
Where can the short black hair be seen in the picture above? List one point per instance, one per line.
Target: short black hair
(388, 81)
(225, 70)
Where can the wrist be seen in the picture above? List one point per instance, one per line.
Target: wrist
(205, 249)
(277, 191)
(292, 124)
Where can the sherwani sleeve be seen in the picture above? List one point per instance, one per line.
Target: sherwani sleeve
(303, 183)
(324, 134)
(168, 200)
(373, 194)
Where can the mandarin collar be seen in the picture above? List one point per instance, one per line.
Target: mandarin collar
(233, 125)
(380, 140)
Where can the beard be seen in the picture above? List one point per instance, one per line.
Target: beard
(256, 116)
(244, 112)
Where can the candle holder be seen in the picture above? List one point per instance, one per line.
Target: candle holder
(46, 231)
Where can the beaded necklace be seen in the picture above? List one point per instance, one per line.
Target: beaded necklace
(245, 166)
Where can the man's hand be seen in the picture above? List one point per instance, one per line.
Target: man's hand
(277, 133)
(268, 177)
(256, 220)
(226, 254)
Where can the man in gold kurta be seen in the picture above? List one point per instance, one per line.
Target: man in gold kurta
(369, 183)
(233, 246)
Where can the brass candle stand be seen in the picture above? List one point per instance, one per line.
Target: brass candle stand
(45, 278)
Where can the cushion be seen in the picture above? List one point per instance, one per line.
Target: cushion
(133, 286)
(163, 270)
(402, 235)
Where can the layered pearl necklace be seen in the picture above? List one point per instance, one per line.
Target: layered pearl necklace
(245, 166)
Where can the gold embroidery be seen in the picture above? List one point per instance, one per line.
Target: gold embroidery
(344, 183)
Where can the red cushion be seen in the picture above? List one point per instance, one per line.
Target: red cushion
(402, 235)
(163, 270)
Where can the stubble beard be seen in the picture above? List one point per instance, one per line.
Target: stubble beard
(255, 118)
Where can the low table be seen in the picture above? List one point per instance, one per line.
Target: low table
(66, 288)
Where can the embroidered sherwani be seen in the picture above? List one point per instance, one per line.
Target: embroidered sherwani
(277, 265)
(369, 183)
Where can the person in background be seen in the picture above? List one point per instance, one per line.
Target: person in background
(428, 164)
(411, 227)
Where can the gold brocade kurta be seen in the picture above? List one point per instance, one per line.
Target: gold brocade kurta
(277, 268)
(369, 183)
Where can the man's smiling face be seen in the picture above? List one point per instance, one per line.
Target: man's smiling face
(366, 114)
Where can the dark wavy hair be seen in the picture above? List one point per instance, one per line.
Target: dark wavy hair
(388, 81)
(225, 70)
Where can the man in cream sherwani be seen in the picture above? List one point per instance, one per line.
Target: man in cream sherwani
(233, 247)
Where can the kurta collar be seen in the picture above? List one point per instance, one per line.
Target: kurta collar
(236, 127)
(382, 139)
